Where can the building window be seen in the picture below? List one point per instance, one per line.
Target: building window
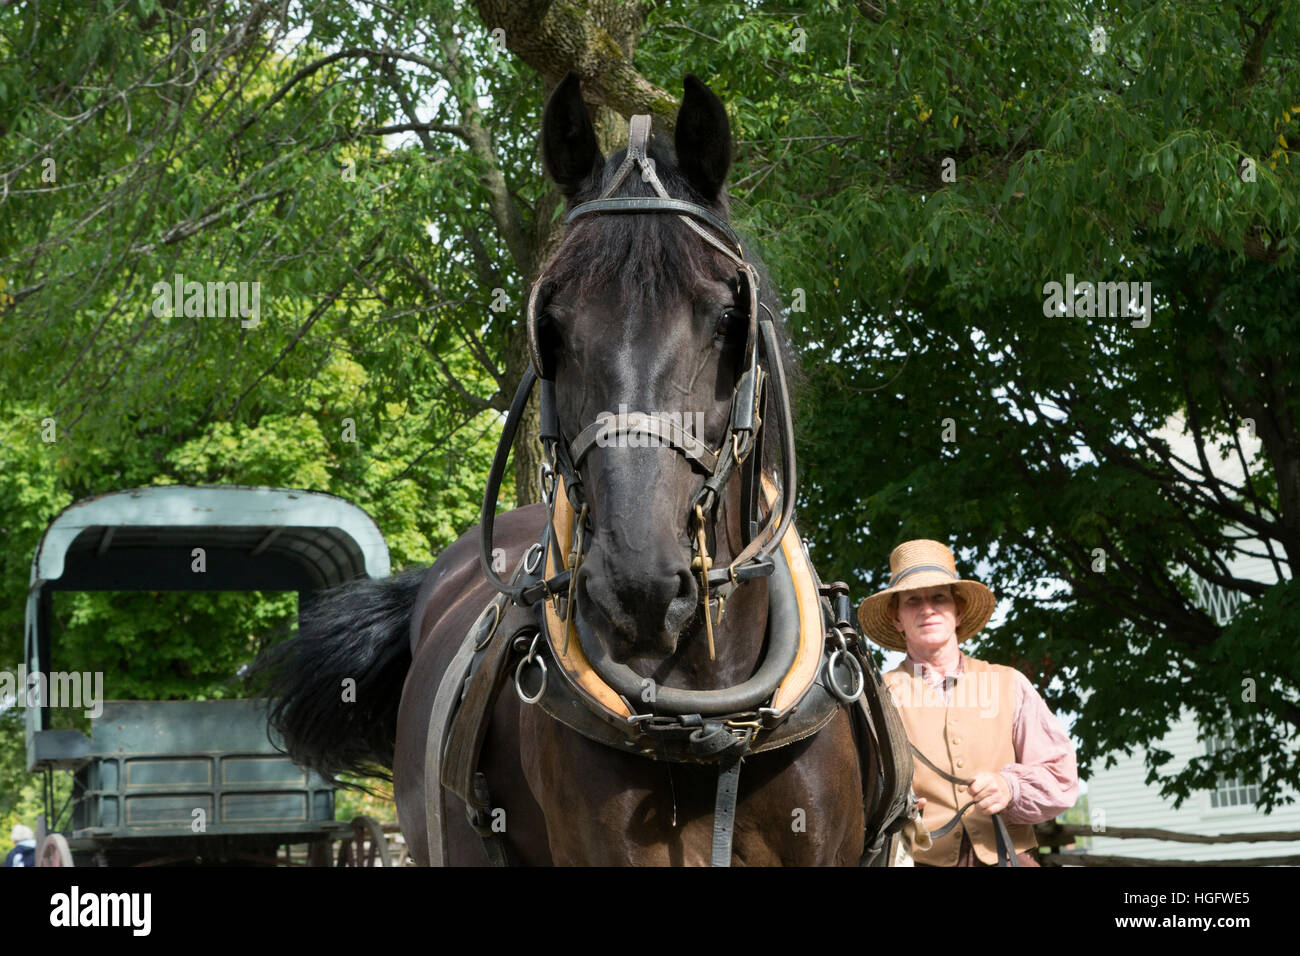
(1229, 793)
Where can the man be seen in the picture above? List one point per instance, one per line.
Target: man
(978, 721)
(24, 851)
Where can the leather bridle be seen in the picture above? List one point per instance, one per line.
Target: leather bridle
(741, 446)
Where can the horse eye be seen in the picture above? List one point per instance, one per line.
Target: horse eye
(729, 324)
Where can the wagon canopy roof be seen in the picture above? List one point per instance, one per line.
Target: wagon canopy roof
(252, 538)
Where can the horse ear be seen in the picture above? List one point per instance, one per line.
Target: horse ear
(570, 152)
(703, 138)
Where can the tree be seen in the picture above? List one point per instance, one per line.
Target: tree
(1008, 149)
(916, 176)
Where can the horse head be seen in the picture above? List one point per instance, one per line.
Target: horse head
(647, 314)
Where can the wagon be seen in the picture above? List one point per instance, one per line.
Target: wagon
(177, 781)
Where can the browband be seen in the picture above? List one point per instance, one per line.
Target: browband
(653, 204)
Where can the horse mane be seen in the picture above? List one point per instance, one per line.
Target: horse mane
(647, 256)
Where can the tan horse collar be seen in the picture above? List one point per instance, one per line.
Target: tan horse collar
(791, 696)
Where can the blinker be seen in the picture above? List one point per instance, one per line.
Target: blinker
(742, 409)
(550, 423)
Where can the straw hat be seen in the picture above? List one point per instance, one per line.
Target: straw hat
(923, 564)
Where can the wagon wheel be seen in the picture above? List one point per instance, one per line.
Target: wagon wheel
(354, 851)
(54, 851)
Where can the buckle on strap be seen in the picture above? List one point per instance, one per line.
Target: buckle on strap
(721, 737)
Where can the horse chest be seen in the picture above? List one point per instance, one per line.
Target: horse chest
(608, 809)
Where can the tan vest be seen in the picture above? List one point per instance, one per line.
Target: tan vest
(968, 737)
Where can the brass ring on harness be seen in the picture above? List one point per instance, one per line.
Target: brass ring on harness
(533, 558)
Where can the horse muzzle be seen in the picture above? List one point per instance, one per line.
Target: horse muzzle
(641, 606)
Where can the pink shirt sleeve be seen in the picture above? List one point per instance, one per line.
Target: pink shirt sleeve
(1045, 779)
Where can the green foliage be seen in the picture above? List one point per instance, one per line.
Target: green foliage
(257, 159)
(925, 307)
(166, 159)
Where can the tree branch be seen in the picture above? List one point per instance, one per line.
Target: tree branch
(1252, 63)
(592, 39)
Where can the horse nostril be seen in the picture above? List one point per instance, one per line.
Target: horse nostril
(658, 596)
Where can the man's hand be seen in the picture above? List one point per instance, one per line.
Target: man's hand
(991, 792)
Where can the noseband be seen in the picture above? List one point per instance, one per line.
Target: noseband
(741, 444)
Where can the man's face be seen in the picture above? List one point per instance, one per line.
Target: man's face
(927, 617)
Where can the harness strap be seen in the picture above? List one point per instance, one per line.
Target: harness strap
(658, 426)
(879, 723)
(447, 697)
(724, 810)
(751, 468)
(457, 724)
(638, 137)
(1006, 849)
(643, 204)
(871, 771)
(778, 519)
(488, 513)
(893, 810)
(460, 759)
(494, 844)
(890, 808)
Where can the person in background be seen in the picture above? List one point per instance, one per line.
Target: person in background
(984, 723)
(24, 851)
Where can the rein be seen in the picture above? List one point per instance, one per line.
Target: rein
(1005, 847)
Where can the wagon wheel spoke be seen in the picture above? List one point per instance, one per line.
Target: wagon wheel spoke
(366, 845)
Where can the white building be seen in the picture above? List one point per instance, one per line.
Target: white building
(1119, 796)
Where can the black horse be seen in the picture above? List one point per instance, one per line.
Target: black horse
(659, 311)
